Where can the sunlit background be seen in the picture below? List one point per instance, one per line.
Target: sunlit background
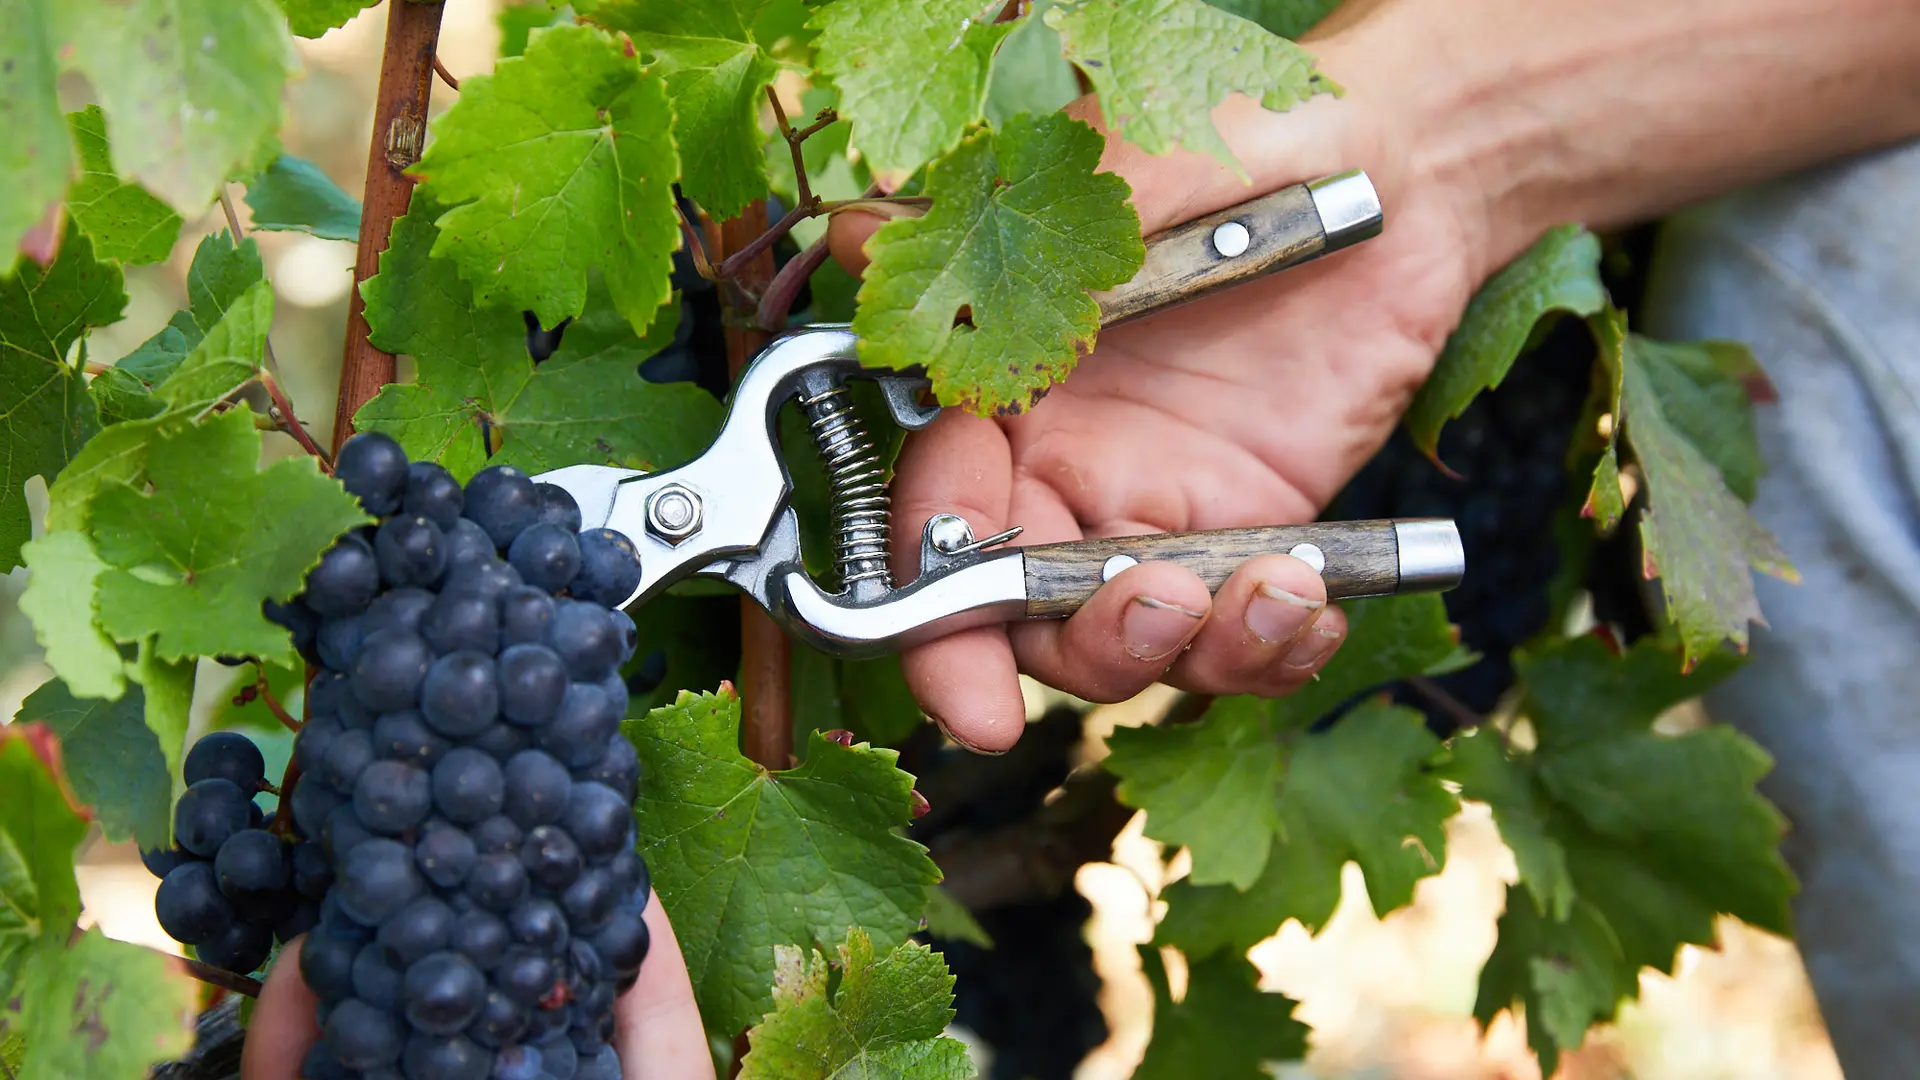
(1385, 998)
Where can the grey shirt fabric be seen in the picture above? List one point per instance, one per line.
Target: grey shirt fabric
(1820, 274)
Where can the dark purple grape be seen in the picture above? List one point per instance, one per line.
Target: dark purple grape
(256, 817)
(422, 927)
(578, 735)
(397, 609)
(520, 1062)
(326, 962)
(501, 740)
(533, 681)
(433, 493)
(602, 1064)
(550, 857)
(345, 581)
(467, 786)
(622, 943)
(501, 500)
(525, 615)
(315, 739)
(558, 1056)
(392, 797)
(489, 577)
(546, 556)
(324, 693)
(463, 619)
(405, 736)
(609, 568)
(339, 641)
(190, 905)
(618, 768)
(299, 620)
(537, 787)
(343, 832)
(630, 876)
(599, 819)
(410, 550)
(557, 507)
(497, 835)
(615, 688)
(467, 545)
(313, 800)
(590, 901)
(460, 697)
(444, 1057)
(161, 861)
(586, 639)
(207, 814)
(389, 670)
(336, 922)
(362, 1035)
(376, 979)
(445, 855)
(497, 883)
(354, 716)
(376, 879)
(312, 873)
(539, 923)
(373, 468)
(225, 755)
(347, 756)
(301, 919)
(482, 937)
(629, 634)
(525, 975)
(500, 1022)
(252, 863)
(442, 993)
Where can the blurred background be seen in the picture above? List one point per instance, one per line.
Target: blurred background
(1385, 998)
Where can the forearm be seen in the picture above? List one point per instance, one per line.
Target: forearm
(1611, 111)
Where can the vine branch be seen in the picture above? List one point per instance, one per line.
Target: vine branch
(1438, 697)
(281, 410)
(446, 76)
(220, 977)
(399, 130)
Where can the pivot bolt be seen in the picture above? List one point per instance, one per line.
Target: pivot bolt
(948, 533)
(673, 513)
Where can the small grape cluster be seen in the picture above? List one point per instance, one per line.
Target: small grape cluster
(463, 770)
(229, 886)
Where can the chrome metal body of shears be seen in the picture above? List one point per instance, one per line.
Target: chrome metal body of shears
(728, 514)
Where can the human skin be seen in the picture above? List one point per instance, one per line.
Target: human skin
(1482, 125)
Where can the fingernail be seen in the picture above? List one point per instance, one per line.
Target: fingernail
(1275, 615)
(948, 732)
(1312, 649)
(1154, 628)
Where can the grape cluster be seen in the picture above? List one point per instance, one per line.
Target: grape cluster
(1510, 449)
(463, 770)
(229, 886)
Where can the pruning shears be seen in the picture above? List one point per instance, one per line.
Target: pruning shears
(728, 514)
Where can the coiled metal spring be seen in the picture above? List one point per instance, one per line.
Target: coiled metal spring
(858, 484)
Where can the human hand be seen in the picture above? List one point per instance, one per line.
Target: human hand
(657, 1025)
(1250, 407)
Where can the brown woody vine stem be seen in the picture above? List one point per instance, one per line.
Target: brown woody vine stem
(220, 977)
(399, 131)
(765, 654)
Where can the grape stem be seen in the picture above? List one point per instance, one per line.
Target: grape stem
(281, 413)
(446, 76)
(265, 690)
(695, 246)
(1437, 696)
(777, 301)
(220, 977)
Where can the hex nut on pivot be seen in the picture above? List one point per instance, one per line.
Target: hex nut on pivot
(673, 513)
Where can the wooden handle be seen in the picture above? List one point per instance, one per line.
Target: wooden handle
(1362, 558)
(1244, 242)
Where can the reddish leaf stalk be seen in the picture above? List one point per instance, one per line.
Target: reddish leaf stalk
(399, 132)
(766, 672)
(282, 416)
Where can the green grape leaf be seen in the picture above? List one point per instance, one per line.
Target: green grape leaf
(1029, 72)
(1216, 786)
(1628, 841)
(99, 1007)
(882, 1020)
(1224, 1027)
(225, 359)
(191, 561)
(912, 77)
(1287, 18)
(48, 415)
(62, 579)
(117, 454)
(39, 828)
(112, 760)
(1160, 66)
(222, 272)
(126, 223)
(561, 160)
(476, 386)
(1359, 792)
(293, 194)
(518, 21)
(949, 920)
(221, 275)
(36, 154)
(1697, 534)
(312, 18)
(1560, 272)
(717, 74)
(167, 687)
(746, 859)
(193, 86)
(1020, 229)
